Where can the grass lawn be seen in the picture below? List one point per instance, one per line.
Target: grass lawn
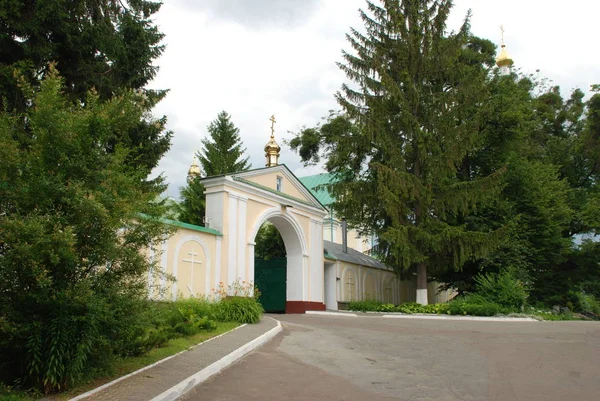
(124, 366)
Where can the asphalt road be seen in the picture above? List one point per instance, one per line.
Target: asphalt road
(374, 358)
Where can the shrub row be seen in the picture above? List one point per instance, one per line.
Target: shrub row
(495, 294)
(187, 317)
(474, 305)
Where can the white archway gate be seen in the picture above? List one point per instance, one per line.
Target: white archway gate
(238, 204)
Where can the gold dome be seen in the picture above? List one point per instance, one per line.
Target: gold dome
(271, 148)
(503, 59)
(194, 170)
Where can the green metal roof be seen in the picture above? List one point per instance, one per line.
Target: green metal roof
(316, 185)
(191, 227)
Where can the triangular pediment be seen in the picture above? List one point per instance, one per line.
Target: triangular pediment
(280, 181)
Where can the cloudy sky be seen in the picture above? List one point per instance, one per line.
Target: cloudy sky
(255, 58)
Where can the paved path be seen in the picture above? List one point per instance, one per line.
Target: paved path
(371, 358)
(152, 382)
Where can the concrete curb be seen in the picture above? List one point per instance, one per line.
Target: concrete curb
(318, 312)
(197, 378)
(102, 387)
(455, 317)
(427, 317)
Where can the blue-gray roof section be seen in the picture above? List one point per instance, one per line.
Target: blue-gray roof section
(353, 256)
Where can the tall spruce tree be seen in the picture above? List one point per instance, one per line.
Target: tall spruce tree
(223, 152)
(411, 114)
(106, 45)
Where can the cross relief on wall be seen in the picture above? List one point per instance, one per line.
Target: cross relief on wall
(350, 285)
(193, 261)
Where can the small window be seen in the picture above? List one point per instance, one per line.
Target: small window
(279, 183)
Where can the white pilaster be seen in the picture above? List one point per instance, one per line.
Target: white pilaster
(163, 267)
(317, 261)
(241, 239)
(232, 239)
(295, 277)
(215, 215)
(305, 277)
(151, 258)
(250, 255)
(218, 266)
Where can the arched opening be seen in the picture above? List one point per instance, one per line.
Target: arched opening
(270, 265)
(278, 273)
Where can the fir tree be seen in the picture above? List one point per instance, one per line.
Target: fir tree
(106, 45)
(193, 203)
(223, 152)
(411, 115)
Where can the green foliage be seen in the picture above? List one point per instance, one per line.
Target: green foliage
(474, 172)
(413, 307)
(475, 305)
(71, 266)
(586, 273)
(269, 244)
(192, 323)
(239, 309)
(555, 316)
(502, 289)
(366, 306)
(438, 309)
(408, 307)
(223, 152)
(583, 303)
(105, 45)
(192, 207)
(8, 393)
(387, 308)
(411, 115)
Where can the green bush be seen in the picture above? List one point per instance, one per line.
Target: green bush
(474, 305)
(365, 306)
(10, 394)
(408, 307)
(555, 316)
(193, 324)
(583, 303)
(239, 309)
(387, 308)
(199, 306)
(437, 309)
(502, 289)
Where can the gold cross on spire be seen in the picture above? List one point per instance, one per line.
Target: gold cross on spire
(502, 33)
(272, 119)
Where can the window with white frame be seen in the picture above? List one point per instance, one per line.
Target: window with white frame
(279, 183)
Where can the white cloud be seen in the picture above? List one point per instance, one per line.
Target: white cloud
(258, 58)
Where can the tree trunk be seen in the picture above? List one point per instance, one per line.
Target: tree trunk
(422, 283)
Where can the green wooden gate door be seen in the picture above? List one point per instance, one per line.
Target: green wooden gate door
(270, 278)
